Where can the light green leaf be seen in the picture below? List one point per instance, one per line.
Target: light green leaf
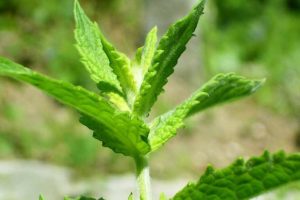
(162, 196)
(91, 50)
(149, 50)
(165, 126)
(220, 89)
(144, 56)
(242, 180)
(129, 132)
(41, 197)
(130, 197)
(169, 49)
(121, 66)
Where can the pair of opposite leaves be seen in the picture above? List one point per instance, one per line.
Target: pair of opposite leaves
(129, 88)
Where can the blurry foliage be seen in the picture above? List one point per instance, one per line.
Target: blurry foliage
(36, 34)
(258, 37)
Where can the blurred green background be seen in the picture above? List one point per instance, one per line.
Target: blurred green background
(257, 38)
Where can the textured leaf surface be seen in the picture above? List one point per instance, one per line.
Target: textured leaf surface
(121, 67)
(244, 180)
(144, 56)
(148, 50)
(128, 137)
(91, 50)
(169, 49)
(221, 88)
(128, 132)
(165, 126)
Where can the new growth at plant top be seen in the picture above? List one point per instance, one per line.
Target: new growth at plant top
(128, 88)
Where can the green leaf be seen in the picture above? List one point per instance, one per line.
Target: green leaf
(165, 126)
(121, 66)
(220, 89)
(149, 50)
(144, 56)
(127, 136)
(244, 180)
(169, 49)
(223, 88)
(89, 198)
(162, 196)
(129, 132)
(83, 198)
(91, 50)
(41, 197)
(130, 197)
(138, 58)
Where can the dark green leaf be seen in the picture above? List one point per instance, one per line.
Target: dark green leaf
(242, 180)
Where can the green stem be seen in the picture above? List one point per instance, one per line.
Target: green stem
(143, 178)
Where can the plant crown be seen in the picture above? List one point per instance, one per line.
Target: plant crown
(128, 89)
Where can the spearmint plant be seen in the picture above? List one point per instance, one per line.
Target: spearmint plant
(118, 113)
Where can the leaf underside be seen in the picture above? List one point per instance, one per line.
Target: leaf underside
(220, 89)
(128, 137)
(130, 130)
(244, 180)
(169, 49)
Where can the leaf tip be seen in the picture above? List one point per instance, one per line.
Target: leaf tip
(41, 197)
(200, 6)
(209, 170)
(154, 29)
(279, 157)
(258, 84)
(78, 12)
(76, 6)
